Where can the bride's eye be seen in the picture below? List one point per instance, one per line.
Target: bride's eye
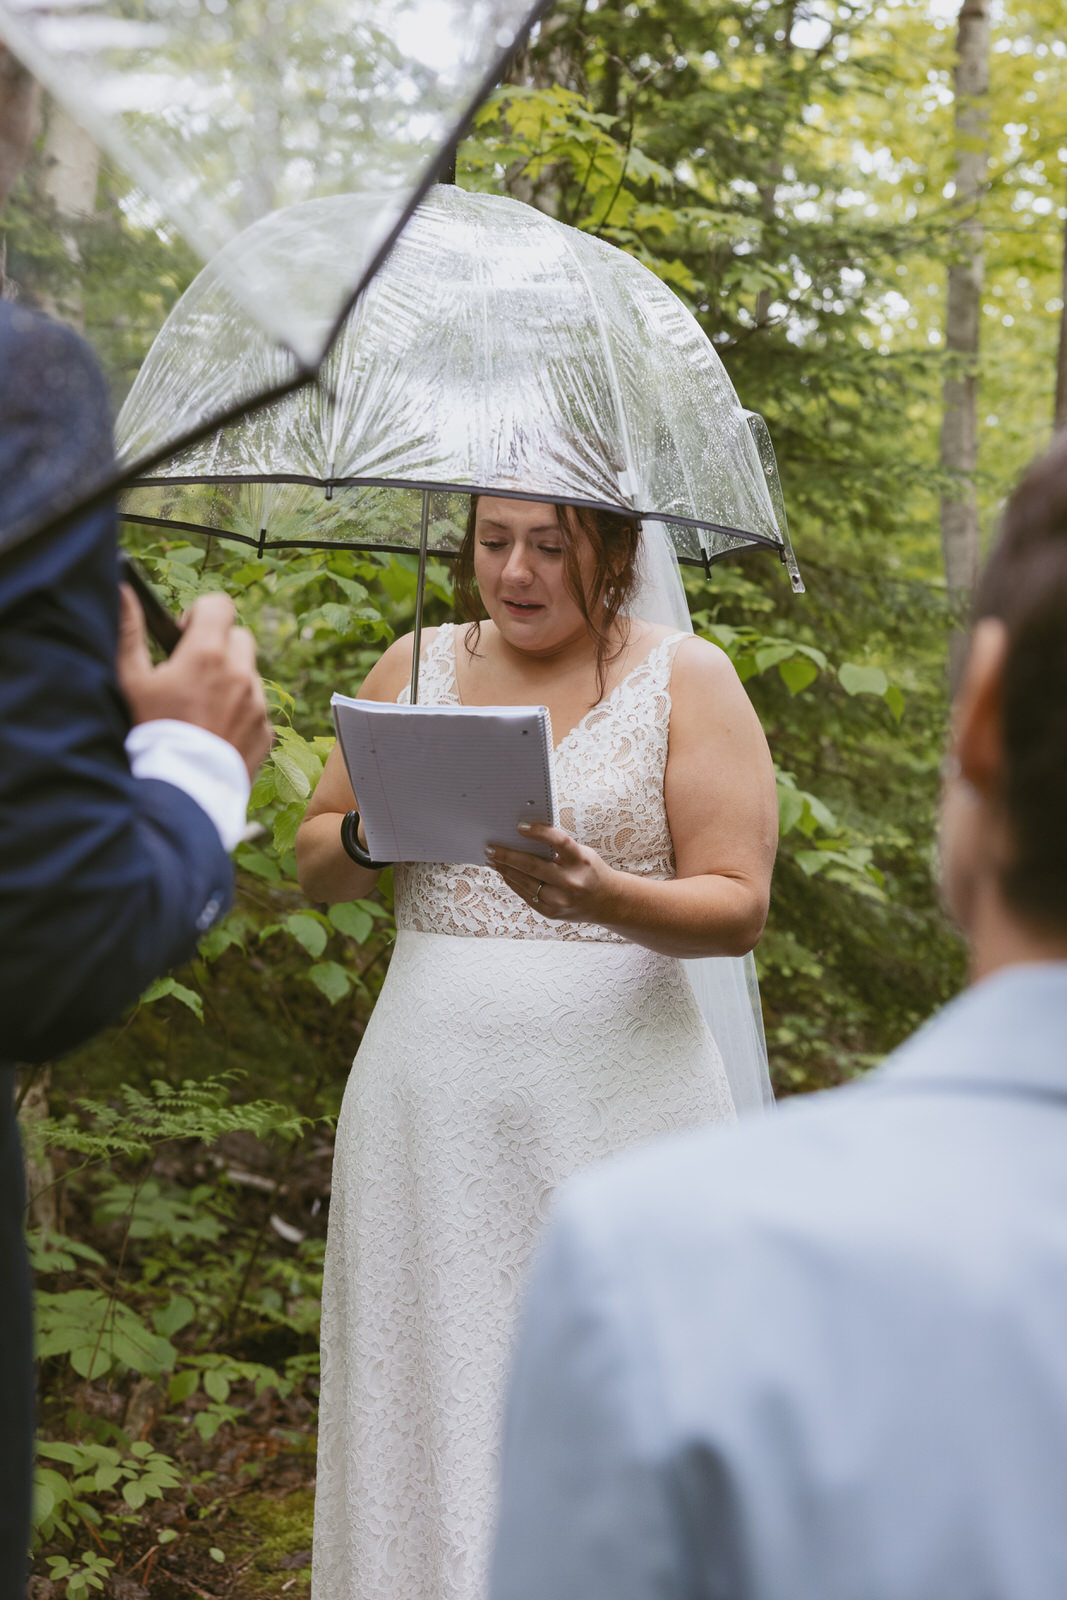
(552, 549)
(491, 544)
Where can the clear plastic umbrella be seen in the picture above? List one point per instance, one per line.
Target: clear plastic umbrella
(222, 111)
(495, 351)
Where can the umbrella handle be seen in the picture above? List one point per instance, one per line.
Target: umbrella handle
(420, 595)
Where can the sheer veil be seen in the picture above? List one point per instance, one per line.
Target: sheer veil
(726, 987)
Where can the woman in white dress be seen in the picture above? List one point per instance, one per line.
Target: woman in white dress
(537, 1016)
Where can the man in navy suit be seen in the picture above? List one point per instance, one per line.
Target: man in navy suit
(122, 785)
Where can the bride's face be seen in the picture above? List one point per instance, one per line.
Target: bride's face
(521, 575)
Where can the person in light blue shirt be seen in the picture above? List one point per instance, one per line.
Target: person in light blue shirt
(823, 1356)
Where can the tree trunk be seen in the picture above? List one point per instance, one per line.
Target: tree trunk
(959, 429)
(768, 192)
(71, 170)
(1060, 414)
(41, 1194)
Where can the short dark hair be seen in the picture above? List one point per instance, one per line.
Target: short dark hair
(1024, 585)
(614, 537)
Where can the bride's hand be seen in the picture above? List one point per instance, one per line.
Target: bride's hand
(577, 885)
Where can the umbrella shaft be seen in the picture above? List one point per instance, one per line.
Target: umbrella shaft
(420, 595)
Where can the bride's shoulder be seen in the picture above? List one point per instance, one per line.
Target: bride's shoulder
(704, 680)
(641, 637)
(700, 661)
(392, 670)
(643, 640)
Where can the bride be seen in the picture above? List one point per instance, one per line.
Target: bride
(537, 1015)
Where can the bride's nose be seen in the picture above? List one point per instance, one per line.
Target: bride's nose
(517, 568)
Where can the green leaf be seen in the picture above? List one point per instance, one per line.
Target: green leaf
(170, 986)
(355, 592)
(219, 938)
(166, 1535)
(862, 680)
(337, 619)
(332, 980)
(176, 1314)
(292, 783)
(135, 1494)
(798, 673)
(894, 699)
(276, 692)
(772, 652)
(216, 1554)
(790, 808)
(350, 919)
(49, 1490)
(817, 815)
(216, 1383)
(286, 824)
(254, 861)
(303, 752)
(183, 1384)
(57, 1450)
(308, 931)
(263, 790)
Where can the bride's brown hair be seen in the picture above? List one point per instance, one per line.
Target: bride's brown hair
(613, 537)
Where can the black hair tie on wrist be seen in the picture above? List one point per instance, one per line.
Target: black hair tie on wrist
(352, 846)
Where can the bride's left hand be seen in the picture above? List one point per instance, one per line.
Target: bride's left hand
(577, 885)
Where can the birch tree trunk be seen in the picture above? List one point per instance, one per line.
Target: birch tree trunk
(41, 1192)
(959, 429)
(768, 192)
(1059, 418)
(71, 171)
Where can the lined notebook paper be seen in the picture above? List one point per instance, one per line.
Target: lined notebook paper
(439, 783)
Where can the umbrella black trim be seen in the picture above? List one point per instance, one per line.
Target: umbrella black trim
(425, 486)
(54, 520)
(703, 563)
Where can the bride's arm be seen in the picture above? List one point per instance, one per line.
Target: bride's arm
(325, 870)
(721, 802)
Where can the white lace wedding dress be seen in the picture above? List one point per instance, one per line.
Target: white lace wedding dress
(506, 1051)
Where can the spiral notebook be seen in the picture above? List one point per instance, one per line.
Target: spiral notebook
(439, 783)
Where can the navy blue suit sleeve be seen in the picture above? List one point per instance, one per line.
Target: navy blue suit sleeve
(105, 882)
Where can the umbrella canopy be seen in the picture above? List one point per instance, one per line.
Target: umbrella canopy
(495, 351)
(222, 111)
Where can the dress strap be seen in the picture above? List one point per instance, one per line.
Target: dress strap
(660, 661)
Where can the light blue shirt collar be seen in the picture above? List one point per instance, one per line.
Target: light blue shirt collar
(1007, 1033)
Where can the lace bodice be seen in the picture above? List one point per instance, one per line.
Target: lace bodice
(609, 786)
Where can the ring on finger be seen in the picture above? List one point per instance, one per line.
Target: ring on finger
(537, 896)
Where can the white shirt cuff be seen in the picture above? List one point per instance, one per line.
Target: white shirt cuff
(207, 768)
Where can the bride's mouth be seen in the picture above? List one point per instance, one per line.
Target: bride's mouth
(522, 608)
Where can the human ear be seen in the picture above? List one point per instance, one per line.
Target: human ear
(978, 744)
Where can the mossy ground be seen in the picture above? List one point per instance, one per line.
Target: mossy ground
(265, 1538)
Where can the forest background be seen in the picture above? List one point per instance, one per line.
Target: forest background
(808, 179)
